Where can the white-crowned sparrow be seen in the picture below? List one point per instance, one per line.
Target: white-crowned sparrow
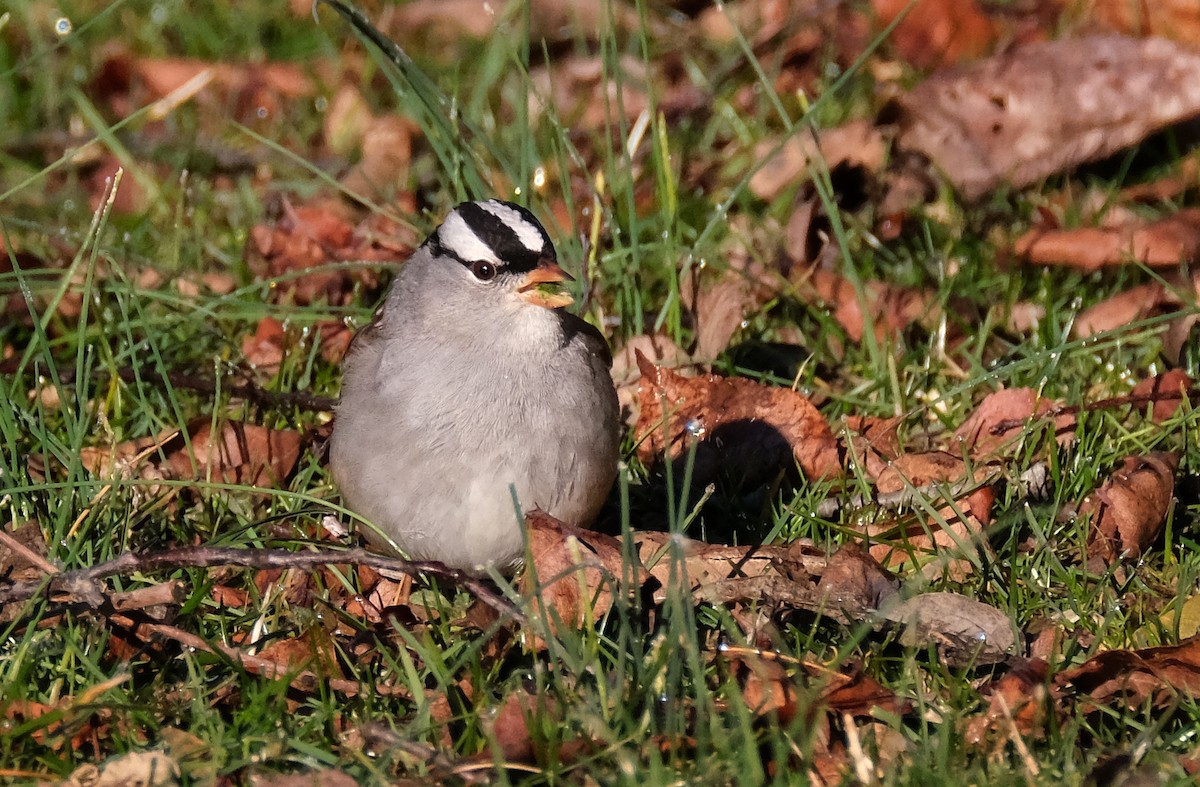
(472, 383)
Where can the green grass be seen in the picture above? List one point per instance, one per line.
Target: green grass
(644, 698)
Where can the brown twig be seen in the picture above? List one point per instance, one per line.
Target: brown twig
(301, 400)
(80, 582)
(1192, 394)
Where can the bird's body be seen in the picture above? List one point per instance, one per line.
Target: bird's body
(463, 393)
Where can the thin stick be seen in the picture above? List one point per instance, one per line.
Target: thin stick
(76, 582)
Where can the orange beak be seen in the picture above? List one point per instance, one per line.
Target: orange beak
(534, 288)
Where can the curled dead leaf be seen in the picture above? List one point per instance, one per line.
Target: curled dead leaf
(1132, 677)
(1128, 512)
(752, 429)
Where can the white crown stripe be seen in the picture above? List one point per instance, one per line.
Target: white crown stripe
(457, 236)
(529, 234)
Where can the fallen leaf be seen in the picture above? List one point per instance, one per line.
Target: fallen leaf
(265, 349)
(953, 534)
(965, 632)
(872, 443)
(660, 349)
(1163, 243)
(936, 32)
(143, 768)
(1175, 19)
(858, 144)
(889, 308)
(1017, 705)
(239, 453)
(767, 688)
(977, 438)
(1124, 309)
(382, 172)
(748, 428)
(1130, 678)
(1169, 390)
(573, 575)
(1047, 106)
(345, 120)
(1181, 341)
(299, 252)
(853, 578)
(1128, 512)
(720, 309)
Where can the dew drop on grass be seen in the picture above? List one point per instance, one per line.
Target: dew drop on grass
(539, 178)
(62, 26)
(320, 103)
(695, 427)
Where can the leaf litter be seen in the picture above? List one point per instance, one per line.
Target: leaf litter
(989, 124)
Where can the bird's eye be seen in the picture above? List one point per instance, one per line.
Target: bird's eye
(484, 271)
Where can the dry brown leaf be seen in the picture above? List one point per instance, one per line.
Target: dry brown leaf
(1046, 107)
(890, 307)
(249, 90)
(1131, 677)
(976, 436)
(574, 572)
(1176, 19)
(239, 454)
(854, 692)
(1168, 389)
(852, 578)
(382, 172)
(871, 443)
(965, 632)
(18, 561)
(751, 429)
(858, 144)
(949, 535)
(319, 777)
(265, 349)
(937, 32)
(143, 768)
(1016, 704)
(1183, 332)
(320, 234)
(720, 310)
(440, 24)
(767, 688)
(345, 121)
(130, 198)
(1123, 309)
(1163, 243)
(660, 349)
(1128, 512)
(1167, 187)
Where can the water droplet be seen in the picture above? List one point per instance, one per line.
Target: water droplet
(321, 103)
(62, 26)
(695, 427)
(261, 113)
(981, 635)
(159, 15)
(539, 178)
